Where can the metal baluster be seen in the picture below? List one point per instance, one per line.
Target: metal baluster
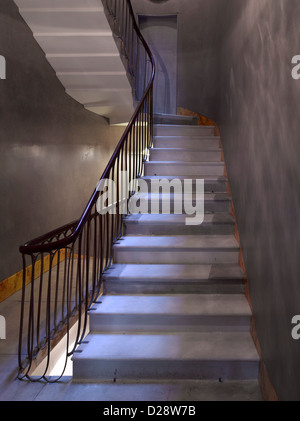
(93, 235)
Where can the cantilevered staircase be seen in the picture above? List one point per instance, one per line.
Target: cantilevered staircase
(174, 304)
(149, 297)
(84, 52)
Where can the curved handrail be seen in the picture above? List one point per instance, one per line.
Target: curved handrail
(35, 246)
(73, 258)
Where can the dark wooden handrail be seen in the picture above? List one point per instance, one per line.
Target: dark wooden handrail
(35, 245)
(68, 263)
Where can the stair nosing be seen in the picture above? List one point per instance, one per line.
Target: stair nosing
(184, 338)
(212, 163)
(213, 149)
(189, 238)
(174, 219)
(215, 301)
(179, 274)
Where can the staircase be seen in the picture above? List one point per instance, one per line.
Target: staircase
(174, 306)
(79, 44)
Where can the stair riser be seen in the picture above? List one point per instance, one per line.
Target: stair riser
(179, 206)
(176, 287)
(158, 323)
(185, 142)
(183, 130)
(175, 120)
(209, 186)
(180, 229)
(216, 187)
(192, 156)
(169, 169)
(103, 369)
(151, 256)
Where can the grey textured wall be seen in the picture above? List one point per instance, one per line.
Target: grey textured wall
(259, 107)
(52, 151)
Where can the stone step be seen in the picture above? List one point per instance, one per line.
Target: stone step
(214, 355)
(183, 130)
(182, 154)
(189, 249)
(171, 119)
(212, 183)
(180, 168)
(164, 203)
(186, 142)
(174, 279)
(171, 313)
(214, 223)
(80, 45)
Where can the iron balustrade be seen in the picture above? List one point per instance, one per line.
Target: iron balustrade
(68, 264)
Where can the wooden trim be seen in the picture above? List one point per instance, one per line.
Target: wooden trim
(14, 283)
(202, 120)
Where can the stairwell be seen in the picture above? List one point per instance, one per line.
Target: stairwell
(79, 44)
(174, 306)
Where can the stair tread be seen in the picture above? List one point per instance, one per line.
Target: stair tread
(170, 272)
(186, 136)
(215, 346)
(183, 130)
(180, 305)
(203, 149)
(212, 163)
(163, 219)
(184, 126)
(207, 196)
(179, 116)
(191, 242)
(174, 118)
(189, 143)
(216, 177)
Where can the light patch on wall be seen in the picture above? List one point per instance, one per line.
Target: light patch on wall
(2, 67)
(89, 153)
(34, 151)
(58, 362)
